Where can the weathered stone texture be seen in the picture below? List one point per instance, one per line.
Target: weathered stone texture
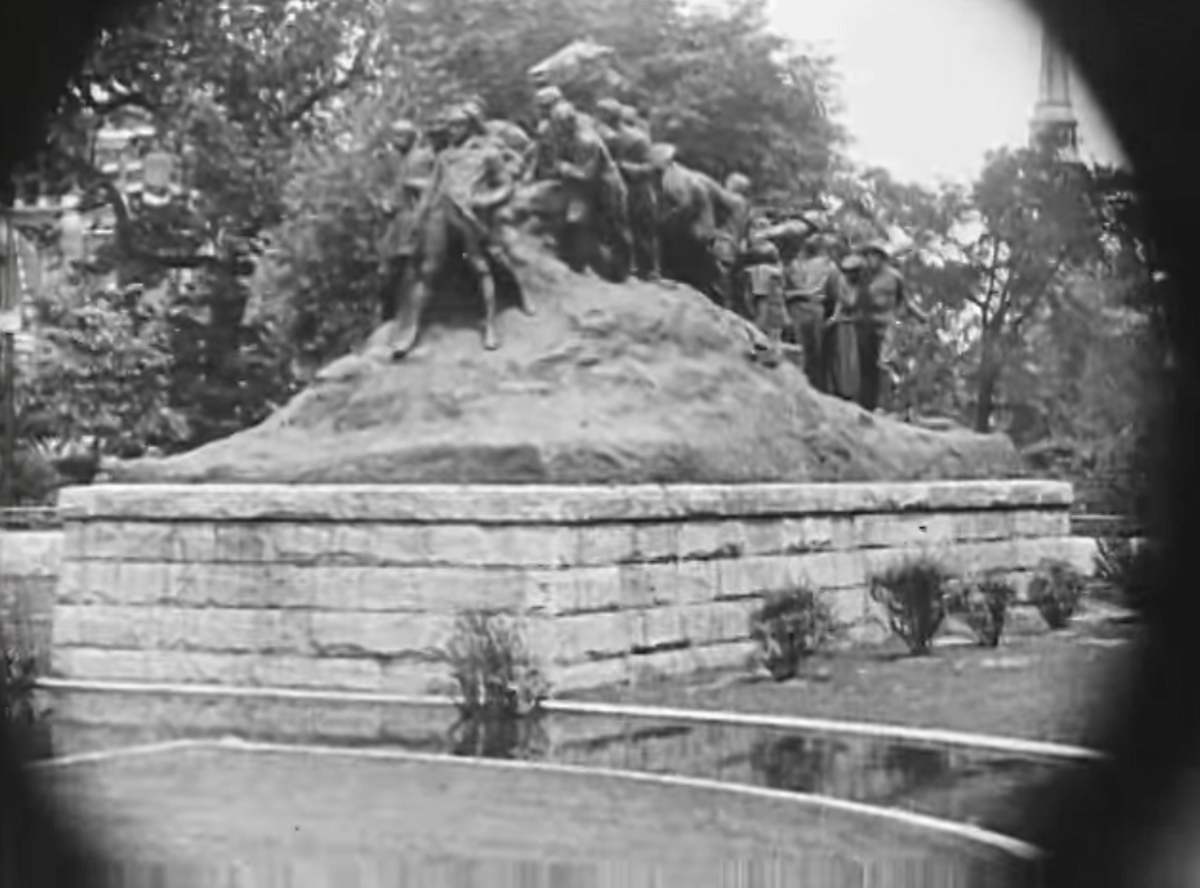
(536, 503)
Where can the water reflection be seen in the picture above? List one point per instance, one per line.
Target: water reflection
(491, 735)
(957, 784)
(395, 871)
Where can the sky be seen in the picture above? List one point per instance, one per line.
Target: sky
(929, 86)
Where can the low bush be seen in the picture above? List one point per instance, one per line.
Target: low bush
(1056, 590)
(1127, 569)
(18, 711)
(500, 689)
(493, 668)
(17, 676)
(913, 593)
(791, 626)
(983, 605)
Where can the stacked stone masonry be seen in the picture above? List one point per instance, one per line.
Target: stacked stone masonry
(29, 569)
(357, 588)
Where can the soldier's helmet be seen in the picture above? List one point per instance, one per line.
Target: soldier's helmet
(547, 97)
(737, 183)
(878, 247)
(853, 262)
(562, 114)
(402, 128)
(662, 154)
(610, 109)
(474, 111)
(630, 116)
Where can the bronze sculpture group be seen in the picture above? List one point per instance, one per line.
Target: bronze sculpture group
(618, 203)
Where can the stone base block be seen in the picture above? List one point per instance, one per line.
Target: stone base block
(358, 589)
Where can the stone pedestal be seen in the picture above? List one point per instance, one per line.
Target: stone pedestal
(353, 588)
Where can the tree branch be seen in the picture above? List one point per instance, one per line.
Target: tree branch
(358, 68)
(125, 100)
(992, 270)
(124, 225)
(1027, 312)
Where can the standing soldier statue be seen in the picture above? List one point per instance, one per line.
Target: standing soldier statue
(628, 140)
(598, 197)
(814, 287)
(545, 159)
(764, 288)
(841, 333)
(882, 297)
(397, 245)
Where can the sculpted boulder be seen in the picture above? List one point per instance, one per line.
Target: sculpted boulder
(607, 383)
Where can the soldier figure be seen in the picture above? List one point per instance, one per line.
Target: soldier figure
(882, 296)
(814, 288)
(545, 159)
(734, 216)
(630, 145)
(764, 286)
(398, 244)
(841, 335)
(518, 146)
(597, 191)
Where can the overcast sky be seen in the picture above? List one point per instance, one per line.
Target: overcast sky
(931, 85)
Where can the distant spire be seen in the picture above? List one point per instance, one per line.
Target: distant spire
(1054, 120)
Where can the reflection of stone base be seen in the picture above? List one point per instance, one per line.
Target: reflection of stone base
(356, 588)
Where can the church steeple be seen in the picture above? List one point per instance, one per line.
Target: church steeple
(1054, 120)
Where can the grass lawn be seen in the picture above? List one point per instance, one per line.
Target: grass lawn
(1037, 685)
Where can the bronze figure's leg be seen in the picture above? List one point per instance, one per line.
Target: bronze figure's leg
(475, 252)
(392, 286)
(869, 342)
(431, 258)
(614, 222)
(809, 335)
(642, 215)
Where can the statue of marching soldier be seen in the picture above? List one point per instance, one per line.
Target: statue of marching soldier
(617, 202)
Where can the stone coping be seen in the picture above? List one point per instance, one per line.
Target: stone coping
(537, 503)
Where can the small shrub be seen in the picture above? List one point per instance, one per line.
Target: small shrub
(789, 627)
(17, 677)
(1113, 559)
(1127, 569)
(913, 593)
(983, 605)
(492, 667)
(1056, 591)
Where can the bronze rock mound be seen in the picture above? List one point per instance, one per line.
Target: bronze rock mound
(607, 384)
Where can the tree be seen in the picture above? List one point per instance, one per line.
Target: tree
(230, 88)
(992, 262)
(730, 93)
(103, 369)
(736, 97)
(1037, 225)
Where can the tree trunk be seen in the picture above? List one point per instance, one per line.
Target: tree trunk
(985, 402)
